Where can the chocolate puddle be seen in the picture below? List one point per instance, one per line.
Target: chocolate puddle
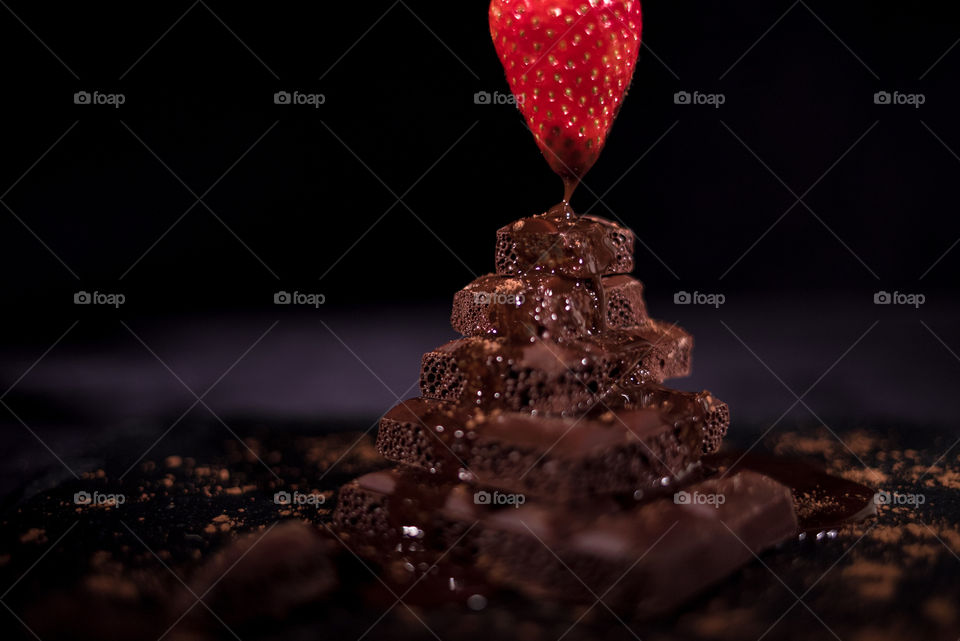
(823, 502)
(438, 545)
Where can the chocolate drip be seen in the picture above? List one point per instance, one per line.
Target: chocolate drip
(570, 183)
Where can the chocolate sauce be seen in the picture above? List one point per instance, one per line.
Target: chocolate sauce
(553, 377)
(570, 183)
(413, 550)
(548, 306)
(444, 533)
(541, 305)
(561, 242)
(823, 502)
(632, 451)
(711, 415)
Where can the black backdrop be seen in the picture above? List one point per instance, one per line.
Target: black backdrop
(104, 199)
(700, 185)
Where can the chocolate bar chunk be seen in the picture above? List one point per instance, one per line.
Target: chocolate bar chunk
(710, 413)
(624, 300)
(547, 306)
(574, 246)
(670, 548)
(647, 557)
(548, 376)
(630, 451)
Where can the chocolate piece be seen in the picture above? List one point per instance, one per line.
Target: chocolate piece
(648, 557)
(408, 522)
(365, 511)
(709, 412)
(559, 243)
(625, 305)
(631, 451)
(551, 377)
(670, 549)
(546, 305)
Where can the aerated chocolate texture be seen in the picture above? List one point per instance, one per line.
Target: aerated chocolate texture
(549, 422)
(549, 376)
(547, 306)
(710, 413)
(574, 246)
(606, 452)
(646, 556)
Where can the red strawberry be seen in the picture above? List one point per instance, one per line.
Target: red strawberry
(569, 63)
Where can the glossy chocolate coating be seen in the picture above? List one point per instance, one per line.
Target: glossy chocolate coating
(551, 377)
(548, 306)
(691, 545)
(628, 451)
(560, 242)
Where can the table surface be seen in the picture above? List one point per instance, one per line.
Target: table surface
(108, 415)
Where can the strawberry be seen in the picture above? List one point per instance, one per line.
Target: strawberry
(569, 63)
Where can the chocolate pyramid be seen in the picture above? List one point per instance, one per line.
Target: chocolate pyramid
(546, 433)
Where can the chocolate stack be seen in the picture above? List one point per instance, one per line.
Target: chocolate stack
(545, 452)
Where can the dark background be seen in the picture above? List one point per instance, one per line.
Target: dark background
(399, 99)
(104, 199)
(94, 198)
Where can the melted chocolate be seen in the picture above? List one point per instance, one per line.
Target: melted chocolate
(823, 501)
(541, 305)
(570, 183)
(561, 242)
(546, 376)
(633, 451)
(413, 545)
(503, 544)
(548, 306)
